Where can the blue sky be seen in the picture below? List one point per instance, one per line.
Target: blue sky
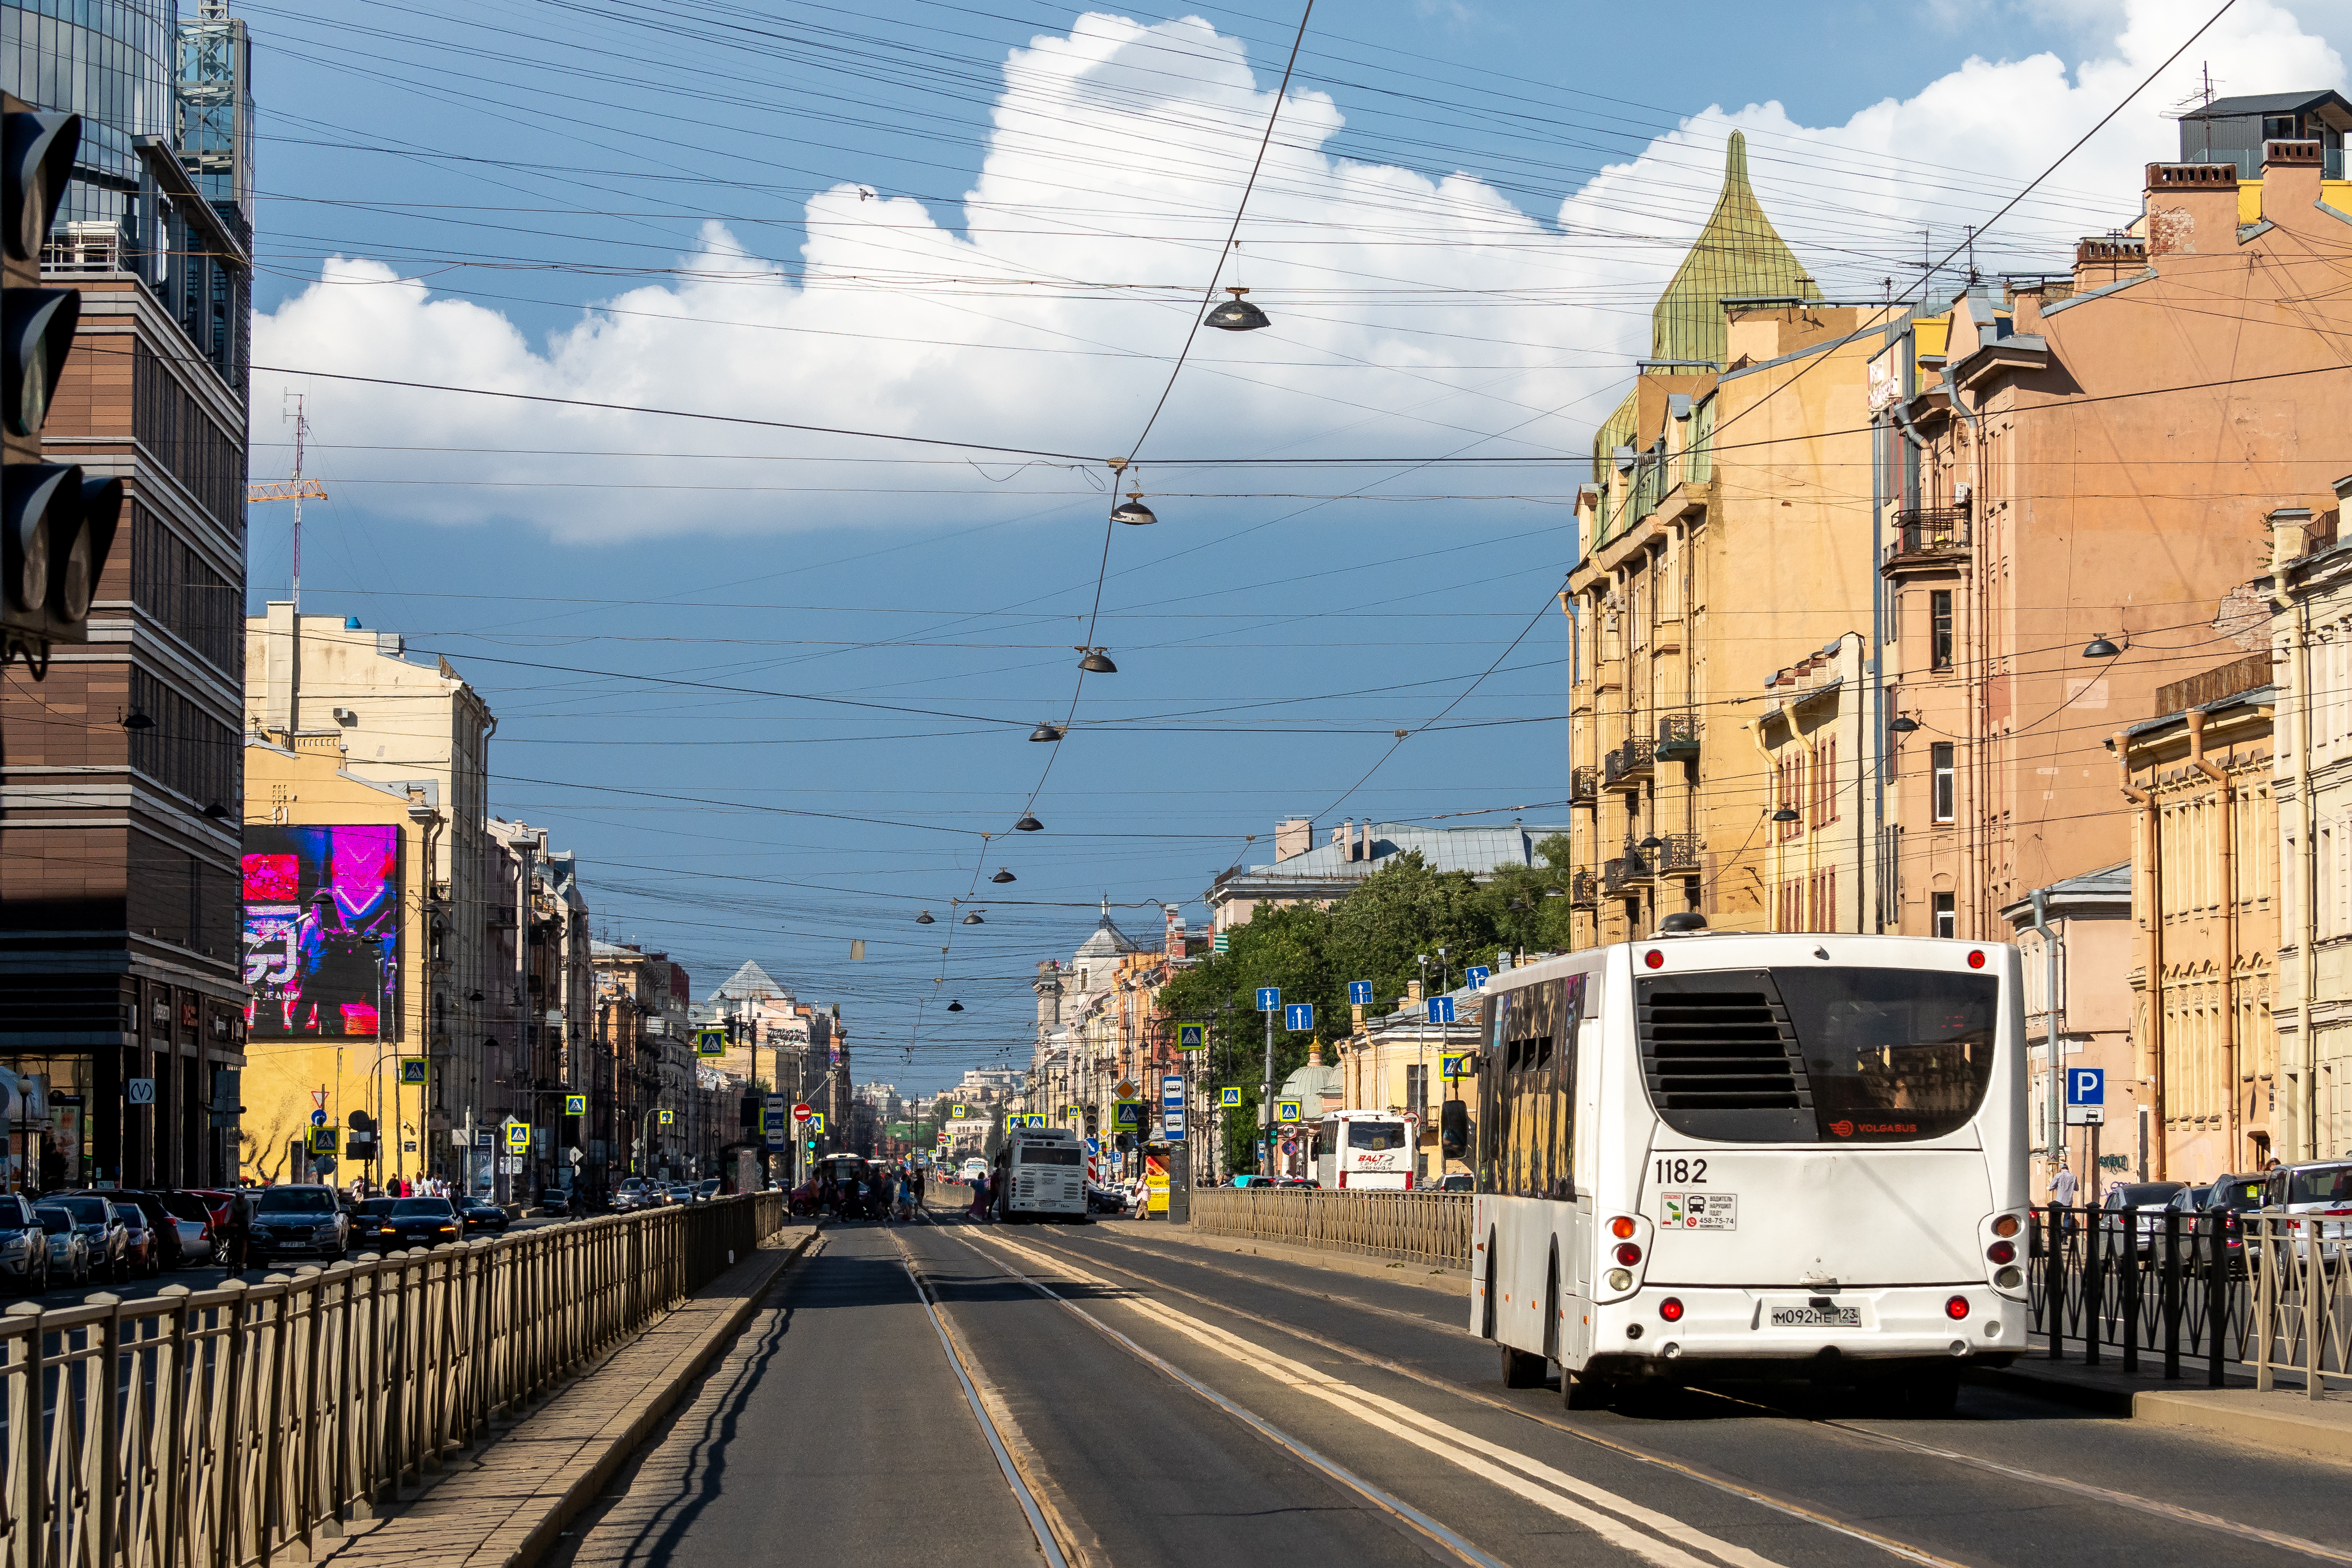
(772, 684)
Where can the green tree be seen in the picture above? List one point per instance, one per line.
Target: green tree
(1405, 911)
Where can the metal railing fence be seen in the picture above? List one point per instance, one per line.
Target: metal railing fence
(2302, 1290)
(227, 1427)
(1418, 1228)
(2125, 1284)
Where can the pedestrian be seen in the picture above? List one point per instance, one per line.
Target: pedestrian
(2063, 1187)
(240, 1230)
(979, 1210)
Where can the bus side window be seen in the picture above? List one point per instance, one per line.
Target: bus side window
(1491, 1095)
(1574, 1001)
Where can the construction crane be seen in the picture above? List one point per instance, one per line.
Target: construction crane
(296, 489)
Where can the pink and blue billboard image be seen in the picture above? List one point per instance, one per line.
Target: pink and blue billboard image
(323, 932)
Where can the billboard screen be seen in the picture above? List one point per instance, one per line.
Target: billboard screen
(323, 932)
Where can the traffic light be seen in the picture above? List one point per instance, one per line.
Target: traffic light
(57, 525)
(362, 1142)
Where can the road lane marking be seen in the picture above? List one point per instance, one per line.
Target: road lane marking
(1420, 1527)
(1029, 1509)
(1447, 1326)
(1643, 1455)
(1551, 1490)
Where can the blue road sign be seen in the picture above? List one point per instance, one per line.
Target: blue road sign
(1298, 1017)
(1172, 1090)
(1441, 1009)
(1359, 992)
(1478, 974)
(2086, 1086)
(1269, 998)
(1229, 1096)
(1171, 1125)
(318, 1119)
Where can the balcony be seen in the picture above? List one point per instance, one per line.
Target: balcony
(1630, 762)
(1584, 786)
(1583, 890)
(1677, 852)
(1677, 738)
(1927, 534)
(1633, 869)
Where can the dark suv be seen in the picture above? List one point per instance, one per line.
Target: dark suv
(299, 1222)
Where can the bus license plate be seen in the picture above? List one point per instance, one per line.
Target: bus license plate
(1817, 1317)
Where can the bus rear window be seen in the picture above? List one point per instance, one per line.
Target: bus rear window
(1377, 1137)
(1828, 1056)
(1049, 1153)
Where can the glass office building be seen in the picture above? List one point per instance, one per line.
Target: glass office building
(111, 62)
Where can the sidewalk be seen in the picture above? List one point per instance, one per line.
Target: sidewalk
(503, 1504)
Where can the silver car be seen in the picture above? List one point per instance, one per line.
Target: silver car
(24, 1244)
(104, 1235)
(2316, 1189)
(69, 1249)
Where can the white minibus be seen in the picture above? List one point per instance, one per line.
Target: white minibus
(1731, 1155)
(1365, 1150)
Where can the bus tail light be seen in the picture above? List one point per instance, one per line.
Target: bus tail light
(1621, 1227)
(1671, 1310)
(2002, 1252)
(1628, 1254)
(2007, 1225)
(1957, 1308)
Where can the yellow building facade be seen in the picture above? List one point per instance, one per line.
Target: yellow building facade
(315, 1052)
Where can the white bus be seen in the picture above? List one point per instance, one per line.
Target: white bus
(1366, 1150)
(1728, 1155)
(1044, 1176)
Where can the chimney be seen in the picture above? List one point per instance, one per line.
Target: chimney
(2192, 208)
(1293, 836)
(2290, 177)
(1340, 835)
(2104, 259)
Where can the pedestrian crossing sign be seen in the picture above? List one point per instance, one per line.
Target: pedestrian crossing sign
(667, 1116)
(1035, 1120)
(1230, 1095)
(322, 1140)
(816, 1121)
(956, 1113)
(1192, 1036)
(1286, 1110)
(413, 1069)
(576, 1105)
(1453, 1063)
(518, 1135)
(711, 1042)
(1127, 1116)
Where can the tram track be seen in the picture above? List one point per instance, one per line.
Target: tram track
(2171, 1512)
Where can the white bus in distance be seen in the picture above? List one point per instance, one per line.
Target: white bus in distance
(1723, 1156)
(1366, 1150)
(1045, 1177)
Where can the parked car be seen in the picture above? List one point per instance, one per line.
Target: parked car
(1297, 1181)
(419, 1221)
(1253, 1181)
(69, 1249)
(2315, 1189)
(707, 1189)
(24, 1244)
(193, 1217)
(104, 1234)
(299, 1222)
(2227, 1198)
(480, 1213)
(1459, 1181)
(1105, 1200)
(679, 1195)
(143, 1245)
(2146, 1200)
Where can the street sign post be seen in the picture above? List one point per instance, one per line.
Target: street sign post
(1359, 992)
(1192, 1036)
(318, 1119)
(1478, 974)
(1127, 1116)
(518, 1136)
(1453, 1063)
(1288, 1110)
(711, 1042)
(1441, 1009)
(1298, 1017)
(1269, 998)
(414, 1071)
(1171, 1107)
(2086, 1097)
(1229, 1096)
(576, 1105)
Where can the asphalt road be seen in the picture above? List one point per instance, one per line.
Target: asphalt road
(1166, 1405)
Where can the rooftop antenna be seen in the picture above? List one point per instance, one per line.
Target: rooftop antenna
(294, 489)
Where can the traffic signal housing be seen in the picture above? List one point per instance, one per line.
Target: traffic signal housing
(57, 524)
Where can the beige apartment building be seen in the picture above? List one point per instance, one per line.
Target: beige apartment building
(1968, 542)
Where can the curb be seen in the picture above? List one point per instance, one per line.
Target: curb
(589, 1484)
(2281, 1419)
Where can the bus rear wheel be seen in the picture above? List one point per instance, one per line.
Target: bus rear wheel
(1522, 1369)
(1582, 1392)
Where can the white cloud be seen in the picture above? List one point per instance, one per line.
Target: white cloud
(1115, 155)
